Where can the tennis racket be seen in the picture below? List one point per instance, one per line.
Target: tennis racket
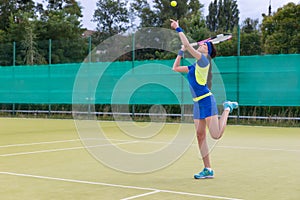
(215, 40)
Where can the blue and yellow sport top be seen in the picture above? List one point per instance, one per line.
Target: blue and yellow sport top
(197, 77)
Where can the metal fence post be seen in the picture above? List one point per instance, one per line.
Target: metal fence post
(49, 76)
(132, 68)
(238, 71)
(90, 49)
(14, 64)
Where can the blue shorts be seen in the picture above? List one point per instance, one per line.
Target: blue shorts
(205, 108)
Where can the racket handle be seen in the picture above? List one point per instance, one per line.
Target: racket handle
(192, 44)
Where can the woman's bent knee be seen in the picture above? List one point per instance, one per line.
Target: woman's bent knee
(216, 137)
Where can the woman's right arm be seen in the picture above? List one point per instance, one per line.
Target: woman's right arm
(185, 42)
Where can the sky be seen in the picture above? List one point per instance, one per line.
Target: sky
(247, 8)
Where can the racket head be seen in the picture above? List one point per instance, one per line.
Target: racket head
(220, 38)
(216, 39)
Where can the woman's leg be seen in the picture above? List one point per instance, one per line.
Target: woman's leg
(217, 126)
(200, 126)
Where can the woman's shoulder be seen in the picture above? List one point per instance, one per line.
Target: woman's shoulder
(203, 61)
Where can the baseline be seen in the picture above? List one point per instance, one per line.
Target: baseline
(117, 185)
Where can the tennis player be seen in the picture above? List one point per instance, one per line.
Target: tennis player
(205, 107)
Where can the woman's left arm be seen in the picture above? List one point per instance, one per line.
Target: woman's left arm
(176, 65)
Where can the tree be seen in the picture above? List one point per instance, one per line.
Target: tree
(11, 7)
(187, 12)
(60, 23)
(250, 37)
(195, 27)
(280, 31)
(211, 19)
(161, 12)
(147, 17)
(29, 44)
(249, 25)
(112, 17)
(223, 16)
(232, 16)
(31, 27)
(165, 11)
(26, 45)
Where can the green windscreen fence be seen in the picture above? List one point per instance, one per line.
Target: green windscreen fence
(270, 80)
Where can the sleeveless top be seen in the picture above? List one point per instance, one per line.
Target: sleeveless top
(197, 77)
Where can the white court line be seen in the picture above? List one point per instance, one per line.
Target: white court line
(258, 148)
(142, 195)
(57, 141)
(154, 142)
(38, 143)
(63, 149)
(117, 185)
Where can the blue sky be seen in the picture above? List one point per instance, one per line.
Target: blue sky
(248, 8)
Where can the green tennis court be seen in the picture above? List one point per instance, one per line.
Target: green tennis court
(45, 159)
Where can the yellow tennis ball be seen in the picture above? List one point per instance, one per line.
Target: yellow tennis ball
(173, 3)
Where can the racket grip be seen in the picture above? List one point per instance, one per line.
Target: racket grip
(192, 44)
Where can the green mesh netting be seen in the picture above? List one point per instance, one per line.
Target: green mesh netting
(271, 80)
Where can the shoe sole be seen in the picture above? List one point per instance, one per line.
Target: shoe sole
(204, 177)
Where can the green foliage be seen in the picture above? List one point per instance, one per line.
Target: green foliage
(144, 12)
(251, 44)
(160, 14)
(228, 48)
(249, 25)
(63, 27)
(10, 8)
(165, 11)
(112, 17)
(223, 16)
(28, 52)
(195, 26)
(31, 27)
(187, 12)
(250, 37)
(211, 18)
(280, 32)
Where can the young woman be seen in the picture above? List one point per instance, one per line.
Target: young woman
(205, 107)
